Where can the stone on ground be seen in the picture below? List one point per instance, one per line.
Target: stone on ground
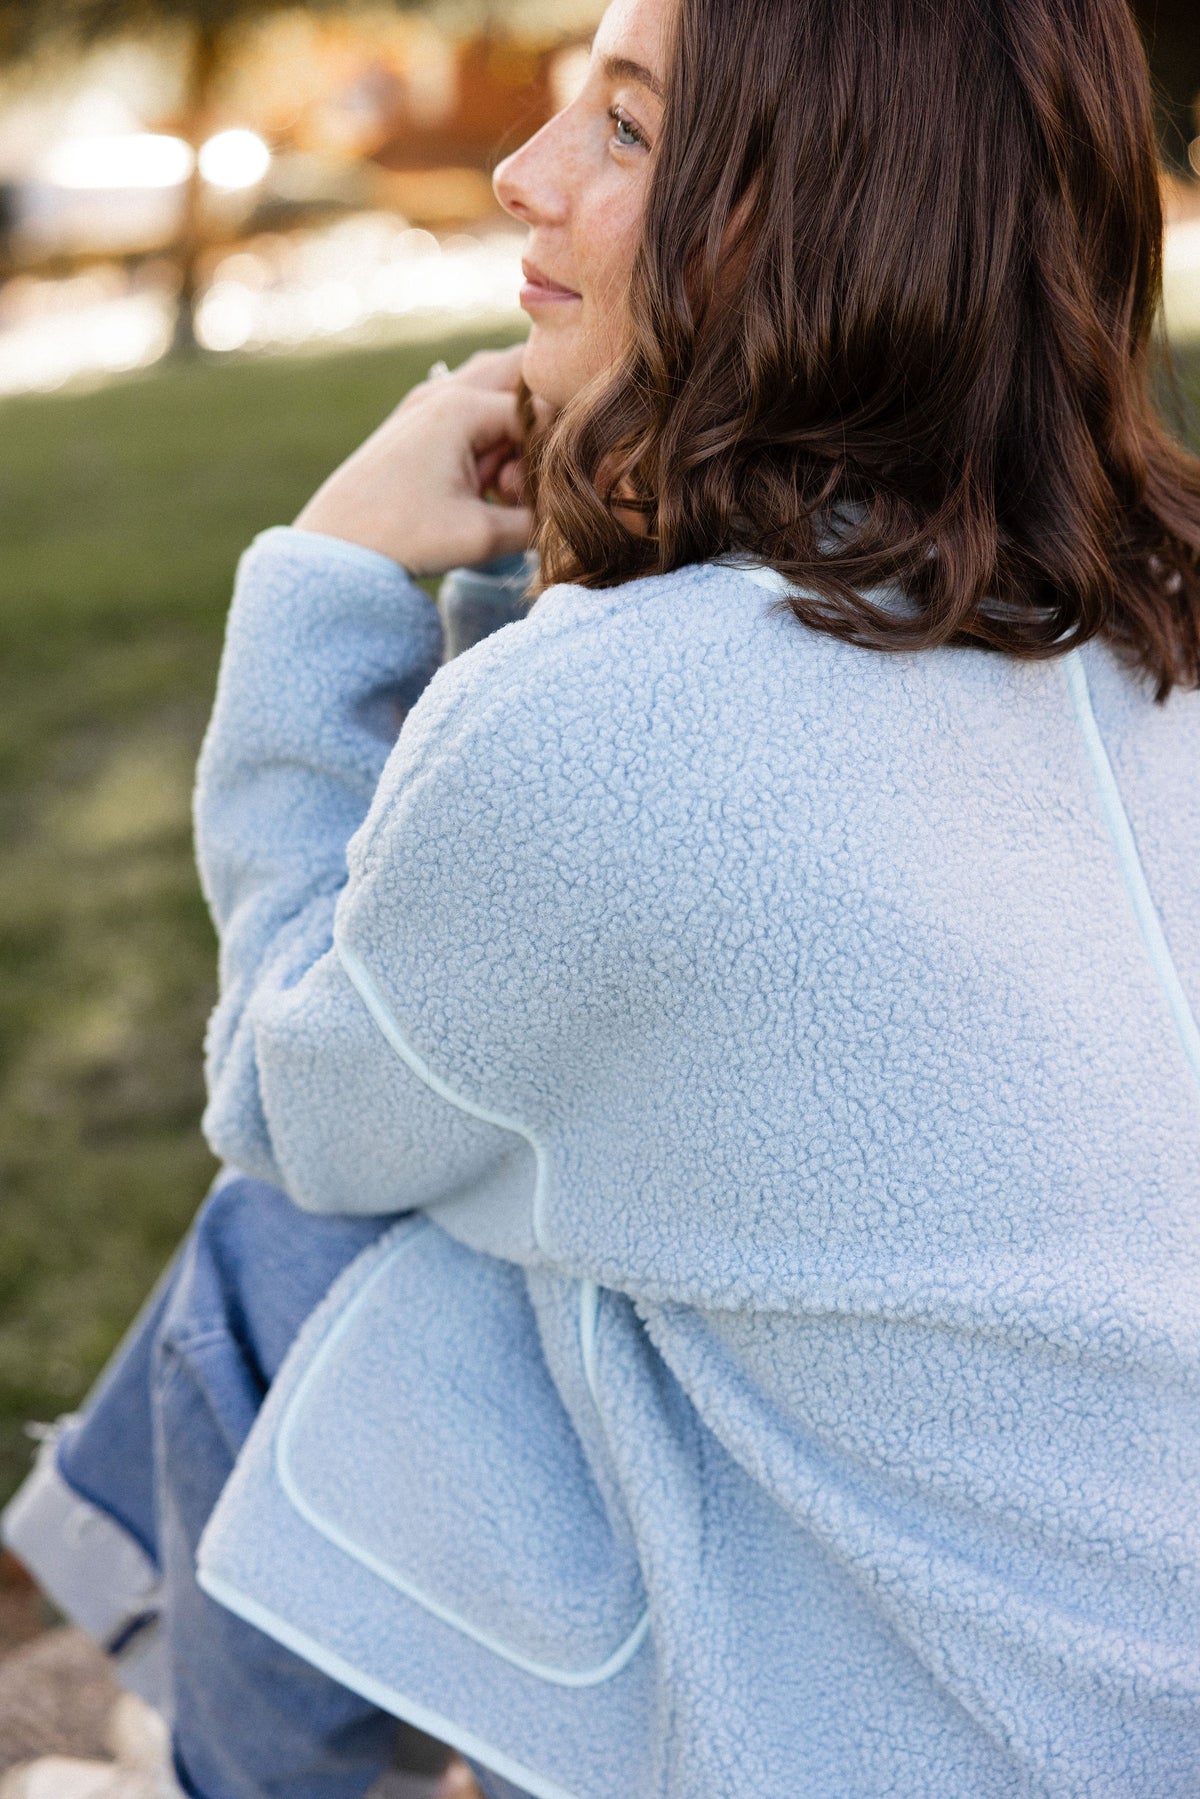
(56, 1698)
(65, 1777)
(69, 1731)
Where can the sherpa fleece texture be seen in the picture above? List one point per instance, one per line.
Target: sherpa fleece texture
(790, 1390)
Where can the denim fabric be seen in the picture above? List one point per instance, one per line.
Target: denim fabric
(154, 1448)
(107, 1455)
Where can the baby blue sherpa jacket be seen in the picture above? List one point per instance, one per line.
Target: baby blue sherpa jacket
(783, 1381)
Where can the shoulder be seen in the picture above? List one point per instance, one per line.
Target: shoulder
(682, 676)
(595, 654)
(649, 623)
(538, 730)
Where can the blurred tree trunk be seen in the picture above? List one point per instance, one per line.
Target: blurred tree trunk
(205, 60)
(1171, 29)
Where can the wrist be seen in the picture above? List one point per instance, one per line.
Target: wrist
(356, 547)
(328, 514)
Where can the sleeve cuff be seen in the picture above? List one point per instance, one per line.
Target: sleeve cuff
(320, 549)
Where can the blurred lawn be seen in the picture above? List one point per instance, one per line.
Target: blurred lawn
(122, 514)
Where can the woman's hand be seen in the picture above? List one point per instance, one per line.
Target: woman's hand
(415, 490)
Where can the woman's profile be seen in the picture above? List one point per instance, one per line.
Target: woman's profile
(708, 1302)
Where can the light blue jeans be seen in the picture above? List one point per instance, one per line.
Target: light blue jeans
(154, 1446)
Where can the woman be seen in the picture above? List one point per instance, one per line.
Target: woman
(765, 978)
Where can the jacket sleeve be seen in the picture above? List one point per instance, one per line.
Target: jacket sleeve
(327, 646)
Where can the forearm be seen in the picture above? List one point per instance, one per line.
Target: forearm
(329, 644)
(321, 635)
(322, 638)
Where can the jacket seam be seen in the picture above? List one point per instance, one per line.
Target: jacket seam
(1129, 862)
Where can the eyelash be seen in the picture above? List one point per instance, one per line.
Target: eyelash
(619, 118)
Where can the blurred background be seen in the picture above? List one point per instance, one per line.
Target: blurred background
(232, 234)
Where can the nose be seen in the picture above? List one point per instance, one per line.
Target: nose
(525, 183)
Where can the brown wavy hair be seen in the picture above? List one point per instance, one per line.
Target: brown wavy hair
(891, 325)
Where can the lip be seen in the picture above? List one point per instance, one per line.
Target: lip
(541, 290)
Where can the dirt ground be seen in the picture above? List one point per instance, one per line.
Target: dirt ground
(57, 1696)
(23, 1614)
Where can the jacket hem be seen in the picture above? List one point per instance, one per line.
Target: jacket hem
(376, 1692)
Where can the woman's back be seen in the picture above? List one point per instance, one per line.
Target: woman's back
(852, 1119)
(870, 932)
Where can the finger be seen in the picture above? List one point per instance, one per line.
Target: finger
(494, 420)
(512, 529)
(543, 412)
(510, 480)
(489, 465)
(498, 370)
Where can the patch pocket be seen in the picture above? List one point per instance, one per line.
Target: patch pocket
(427, 1440)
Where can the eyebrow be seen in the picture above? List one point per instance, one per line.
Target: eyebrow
(620, 68)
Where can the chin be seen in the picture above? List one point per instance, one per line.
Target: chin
(551, 368)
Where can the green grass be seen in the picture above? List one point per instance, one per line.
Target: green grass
(122, 514)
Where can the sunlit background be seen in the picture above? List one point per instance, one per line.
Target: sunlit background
(324, 176)
(315, 177)
(231, 236)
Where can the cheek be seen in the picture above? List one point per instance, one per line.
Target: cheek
(567, 351)
(608, 244)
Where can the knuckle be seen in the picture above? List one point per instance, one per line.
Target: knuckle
(443, 402)
(477, 544)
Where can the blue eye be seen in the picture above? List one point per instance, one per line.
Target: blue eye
(627, 135)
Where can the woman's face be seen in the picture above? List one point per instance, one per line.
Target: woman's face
(580, 187)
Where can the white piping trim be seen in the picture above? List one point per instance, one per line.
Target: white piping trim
(589, 1314)
(376, 1692)
(364, 984)
(589, 1307)
(1130, 864)
(292, 1422)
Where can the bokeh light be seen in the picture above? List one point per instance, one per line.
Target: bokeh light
(131, 159)
(234, 160)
